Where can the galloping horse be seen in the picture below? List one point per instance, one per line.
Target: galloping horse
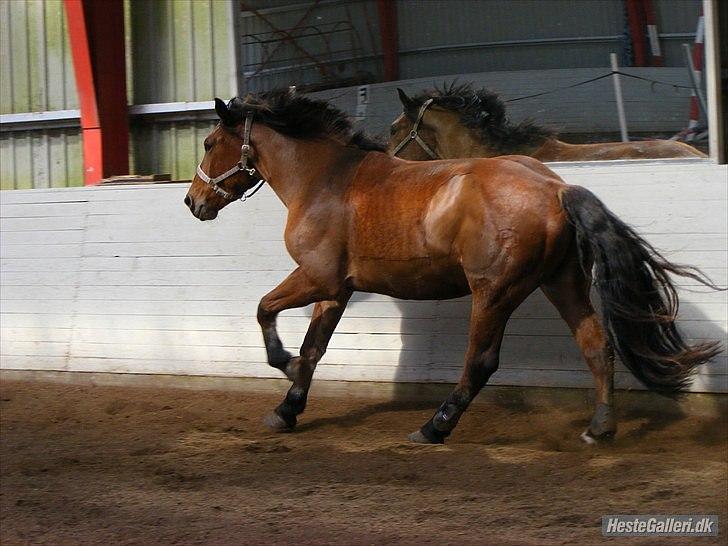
(359, 219)
(457, 122)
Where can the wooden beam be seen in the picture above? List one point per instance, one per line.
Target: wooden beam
(96, 32)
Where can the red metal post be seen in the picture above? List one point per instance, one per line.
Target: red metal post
(635, 18)
(388, 31)
(96, 32)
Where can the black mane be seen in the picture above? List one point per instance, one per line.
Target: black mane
(299, 116)
(484, 112)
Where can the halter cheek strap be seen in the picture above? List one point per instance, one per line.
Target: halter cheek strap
(415, 136)
(241, 165)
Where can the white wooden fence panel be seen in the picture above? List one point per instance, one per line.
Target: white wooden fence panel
(125, 280)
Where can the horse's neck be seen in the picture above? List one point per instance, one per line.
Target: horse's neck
(477, 149)
(462, 145)
(293, 167)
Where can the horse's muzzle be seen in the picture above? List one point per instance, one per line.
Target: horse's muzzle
(200, 210)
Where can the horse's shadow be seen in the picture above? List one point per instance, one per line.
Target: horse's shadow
(538, 348)
(359, 415)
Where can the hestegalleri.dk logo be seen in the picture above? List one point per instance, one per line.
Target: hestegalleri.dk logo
(632, 525)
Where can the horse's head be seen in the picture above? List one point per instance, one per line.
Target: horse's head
(225, 172)
(416, 133)
(458, 121)
(431, 127)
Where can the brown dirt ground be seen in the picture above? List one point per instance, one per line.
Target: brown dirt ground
(130, 465)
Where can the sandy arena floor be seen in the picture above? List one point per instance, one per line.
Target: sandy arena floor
(130, 465)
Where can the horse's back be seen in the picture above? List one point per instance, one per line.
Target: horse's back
(464, 212)
(556, 150)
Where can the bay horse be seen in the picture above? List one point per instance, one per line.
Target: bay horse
(360, 220)
(457, 121)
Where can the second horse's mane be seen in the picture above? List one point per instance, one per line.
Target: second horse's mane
(483, 111)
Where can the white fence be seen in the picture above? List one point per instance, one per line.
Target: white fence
(125, 280)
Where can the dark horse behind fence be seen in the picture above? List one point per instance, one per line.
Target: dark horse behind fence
(359, 219)
(457, 121)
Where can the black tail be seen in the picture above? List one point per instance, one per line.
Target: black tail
(639, 301)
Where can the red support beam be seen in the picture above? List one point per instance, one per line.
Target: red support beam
(635, 17)
(388, 31)
(96, 32)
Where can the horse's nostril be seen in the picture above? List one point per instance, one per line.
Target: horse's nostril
(188, 201)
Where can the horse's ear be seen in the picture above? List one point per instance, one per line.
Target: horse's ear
(407, 102)
(223, 112)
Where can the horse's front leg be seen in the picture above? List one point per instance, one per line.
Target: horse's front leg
(326, 315)
(295, 291)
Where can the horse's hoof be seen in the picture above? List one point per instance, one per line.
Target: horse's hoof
(590, 439)
(275, 422)
(418, 438)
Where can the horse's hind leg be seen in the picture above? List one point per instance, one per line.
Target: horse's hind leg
(326, 315)
(487, 324)
(568, 290)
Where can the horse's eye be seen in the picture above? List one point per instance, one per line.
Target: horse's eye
(208, 146)
(392, 129)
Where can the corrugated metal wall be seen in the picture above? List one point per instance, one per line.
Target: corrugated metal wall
(169, 147)
(439, 37)
(184, 50)
(444, 37)
(36, 73)
(46, 158)
(178, 51)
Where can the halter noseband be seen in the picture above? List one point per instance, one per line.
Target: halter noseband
(241, 165)
(413, 135)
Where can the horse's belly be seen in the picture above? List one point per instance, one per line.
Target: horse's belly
(413, 279)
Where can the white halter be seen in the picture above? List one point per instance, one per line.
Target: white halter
(241, 165)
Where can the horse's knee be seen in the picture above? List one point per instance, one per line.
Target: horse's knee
(265, 315)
